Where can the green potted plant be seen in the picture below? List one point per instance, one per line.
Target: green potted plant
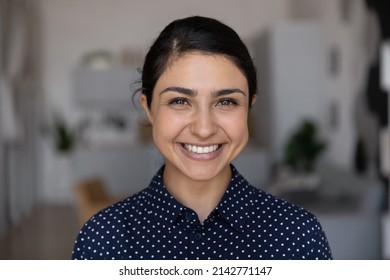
(64, 136)
(303, 148)
(301, 152)
(64, 139)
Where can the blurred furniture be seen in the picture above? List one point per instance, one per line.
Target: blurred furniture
(91, 196)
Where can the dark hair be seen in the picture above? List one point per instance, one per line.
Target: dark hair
(195, 34)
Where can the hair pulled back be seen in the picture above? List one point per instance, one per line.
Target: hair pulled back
(195, 34)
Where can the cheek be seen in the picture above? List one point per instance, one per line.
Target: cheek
(167, 126)
(236, 126)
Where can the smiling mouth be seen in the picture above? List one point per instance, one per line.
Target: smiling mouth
(201, 149)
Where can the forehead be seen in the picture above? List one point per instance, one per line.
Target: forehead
(190, 59)
(202, 70)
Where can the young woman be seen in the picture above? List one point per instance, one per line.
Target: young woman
(198, 85)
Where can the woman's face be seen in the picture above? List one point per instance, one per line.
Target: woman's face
(199, 115)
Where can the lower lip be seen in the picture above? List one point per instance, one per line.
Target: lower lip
(201, 157)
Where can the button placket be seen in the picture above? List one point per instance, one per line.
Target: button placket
(188, 216)
(197, 236)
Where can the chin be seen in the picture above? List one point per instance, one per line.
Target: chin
(204, 173)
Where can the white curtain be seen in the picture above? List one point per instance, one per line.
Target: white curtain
(19, 95)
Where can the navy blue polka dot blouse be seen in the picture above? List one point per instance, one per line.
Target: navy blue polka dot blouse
(248, 223)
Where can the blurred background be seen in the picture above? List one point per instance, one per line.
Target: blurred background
(73, 140)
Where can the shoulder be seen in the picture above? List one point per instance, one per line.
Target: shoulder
(291, 222)
(266, 202)
(124, 210)
(109, 225)
(284, 213)
(269, 209)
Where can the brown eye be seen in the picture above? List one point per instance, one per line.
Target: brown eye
(178, 101)
(227, 102)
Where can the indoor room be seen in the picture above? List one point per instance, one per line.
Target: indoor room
(74, 138)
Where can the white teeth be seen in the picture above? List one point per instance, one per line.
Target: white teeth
(200, 150)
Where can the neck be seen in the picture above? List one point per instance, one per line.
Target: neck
(200, 196)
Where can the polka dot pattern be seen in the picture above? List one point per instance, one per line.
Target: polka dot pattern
(248, 223)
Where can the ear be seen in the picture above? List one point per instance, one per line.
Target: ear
(253, 101)
(144, 103)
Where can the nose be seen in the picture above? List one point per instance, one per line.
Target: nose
(204, 124)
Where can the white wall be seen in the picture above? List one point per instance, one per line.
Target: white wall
(72, 28)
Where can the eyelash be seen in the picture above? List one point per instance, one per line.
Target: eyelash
(222, 102)
(227, 102)
(178, 101)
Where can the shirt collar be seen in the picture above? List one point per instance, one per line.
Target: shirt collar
(237, 201)
(158, 198)
(234, 206)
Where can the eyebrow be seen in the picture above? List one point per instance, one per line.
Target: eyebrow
(191, 92)
(227, 91)
(186, 91)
